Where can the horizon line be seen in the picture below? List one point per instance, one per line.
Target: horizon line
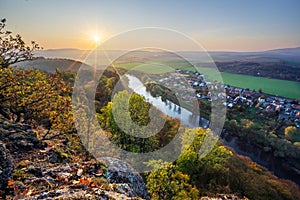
(216, 51)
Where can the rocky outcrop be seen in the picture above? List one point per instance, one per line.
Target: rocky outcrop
(67, 193)
(126, 178)
(14, 138)
(19, 137)
(34, 169)
(224, 197)
(6, 165)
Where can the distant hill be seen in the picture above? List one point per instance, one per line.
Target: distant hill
(278, 63)
(50, 64)
(68, 53)
(287, 54)
(77, 54)
(295, 51)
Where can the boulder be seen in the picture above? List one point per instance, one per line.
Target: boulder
(126, 178)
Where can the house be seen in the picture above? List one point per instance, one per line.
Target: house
(283, 117)
(278, 108)
(269, 99)
(202, 84)
(296, 107)
(298, 115)
(276, 103)
(269, 108)
(297, 123)
(288, 111)
(261, 100)
(248, 93)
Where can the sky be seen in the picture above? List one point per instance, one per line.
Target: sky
(224, 25)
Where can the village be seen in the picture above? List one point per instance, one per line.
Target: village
(187, 83)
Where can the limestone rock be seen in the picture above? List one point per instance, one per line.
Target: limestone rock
(6, 165)
(29, 169)
(125, 177)
(224, 197)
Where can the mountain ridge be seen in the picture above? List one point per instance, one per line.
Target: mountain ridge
(210, 51)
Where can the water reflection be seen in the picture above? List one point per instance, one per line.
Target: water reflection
(186, 117)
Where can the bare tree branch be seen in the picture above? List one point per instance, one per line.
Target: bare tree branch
(12, 48)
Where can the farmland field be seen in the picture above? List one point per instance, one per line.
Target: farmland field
(278, 87)
(148, 68)
(289, 89)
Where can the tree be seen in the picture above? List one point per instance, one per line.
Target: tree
(139, 109)
(207, 172)
(169, 183)
(290, 132)
(124, 122)
(259, 90)
(12, 48)
(37, 98)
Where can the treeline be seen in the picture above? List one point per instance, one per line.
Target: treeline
(283, 70)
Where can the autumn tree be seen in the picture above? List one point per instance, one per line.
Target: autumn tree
(83, 108)
(290, 132)
(13, 48)
(37, 98)
(124, 122)
(104, 90)
(209, 170)
(169, 183)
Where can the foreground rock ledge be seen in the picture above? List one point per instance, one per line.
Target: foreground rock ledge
(28, 170)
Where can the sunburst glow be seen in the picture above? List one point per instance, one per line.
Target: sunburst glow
(96, 38)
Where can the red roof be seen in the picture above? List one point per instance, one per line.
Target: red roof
(296, 106)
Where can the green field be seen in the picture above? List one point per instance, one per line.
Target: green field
(289, 89)
(148, 68)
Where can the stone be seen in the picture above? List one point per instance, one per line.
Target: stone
(6, 165)
(121, 173)
(58, 180)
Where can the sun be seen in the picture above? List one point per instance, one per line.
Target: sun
(96, 38)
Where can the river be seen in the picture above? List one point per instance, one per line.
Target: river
(169, 108)
(267, 160)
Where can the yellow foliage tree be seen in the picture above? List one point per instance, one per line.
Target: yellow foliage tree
(290, 132)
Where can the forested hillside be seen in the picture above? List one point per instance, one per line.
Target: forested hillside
(42, 100)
